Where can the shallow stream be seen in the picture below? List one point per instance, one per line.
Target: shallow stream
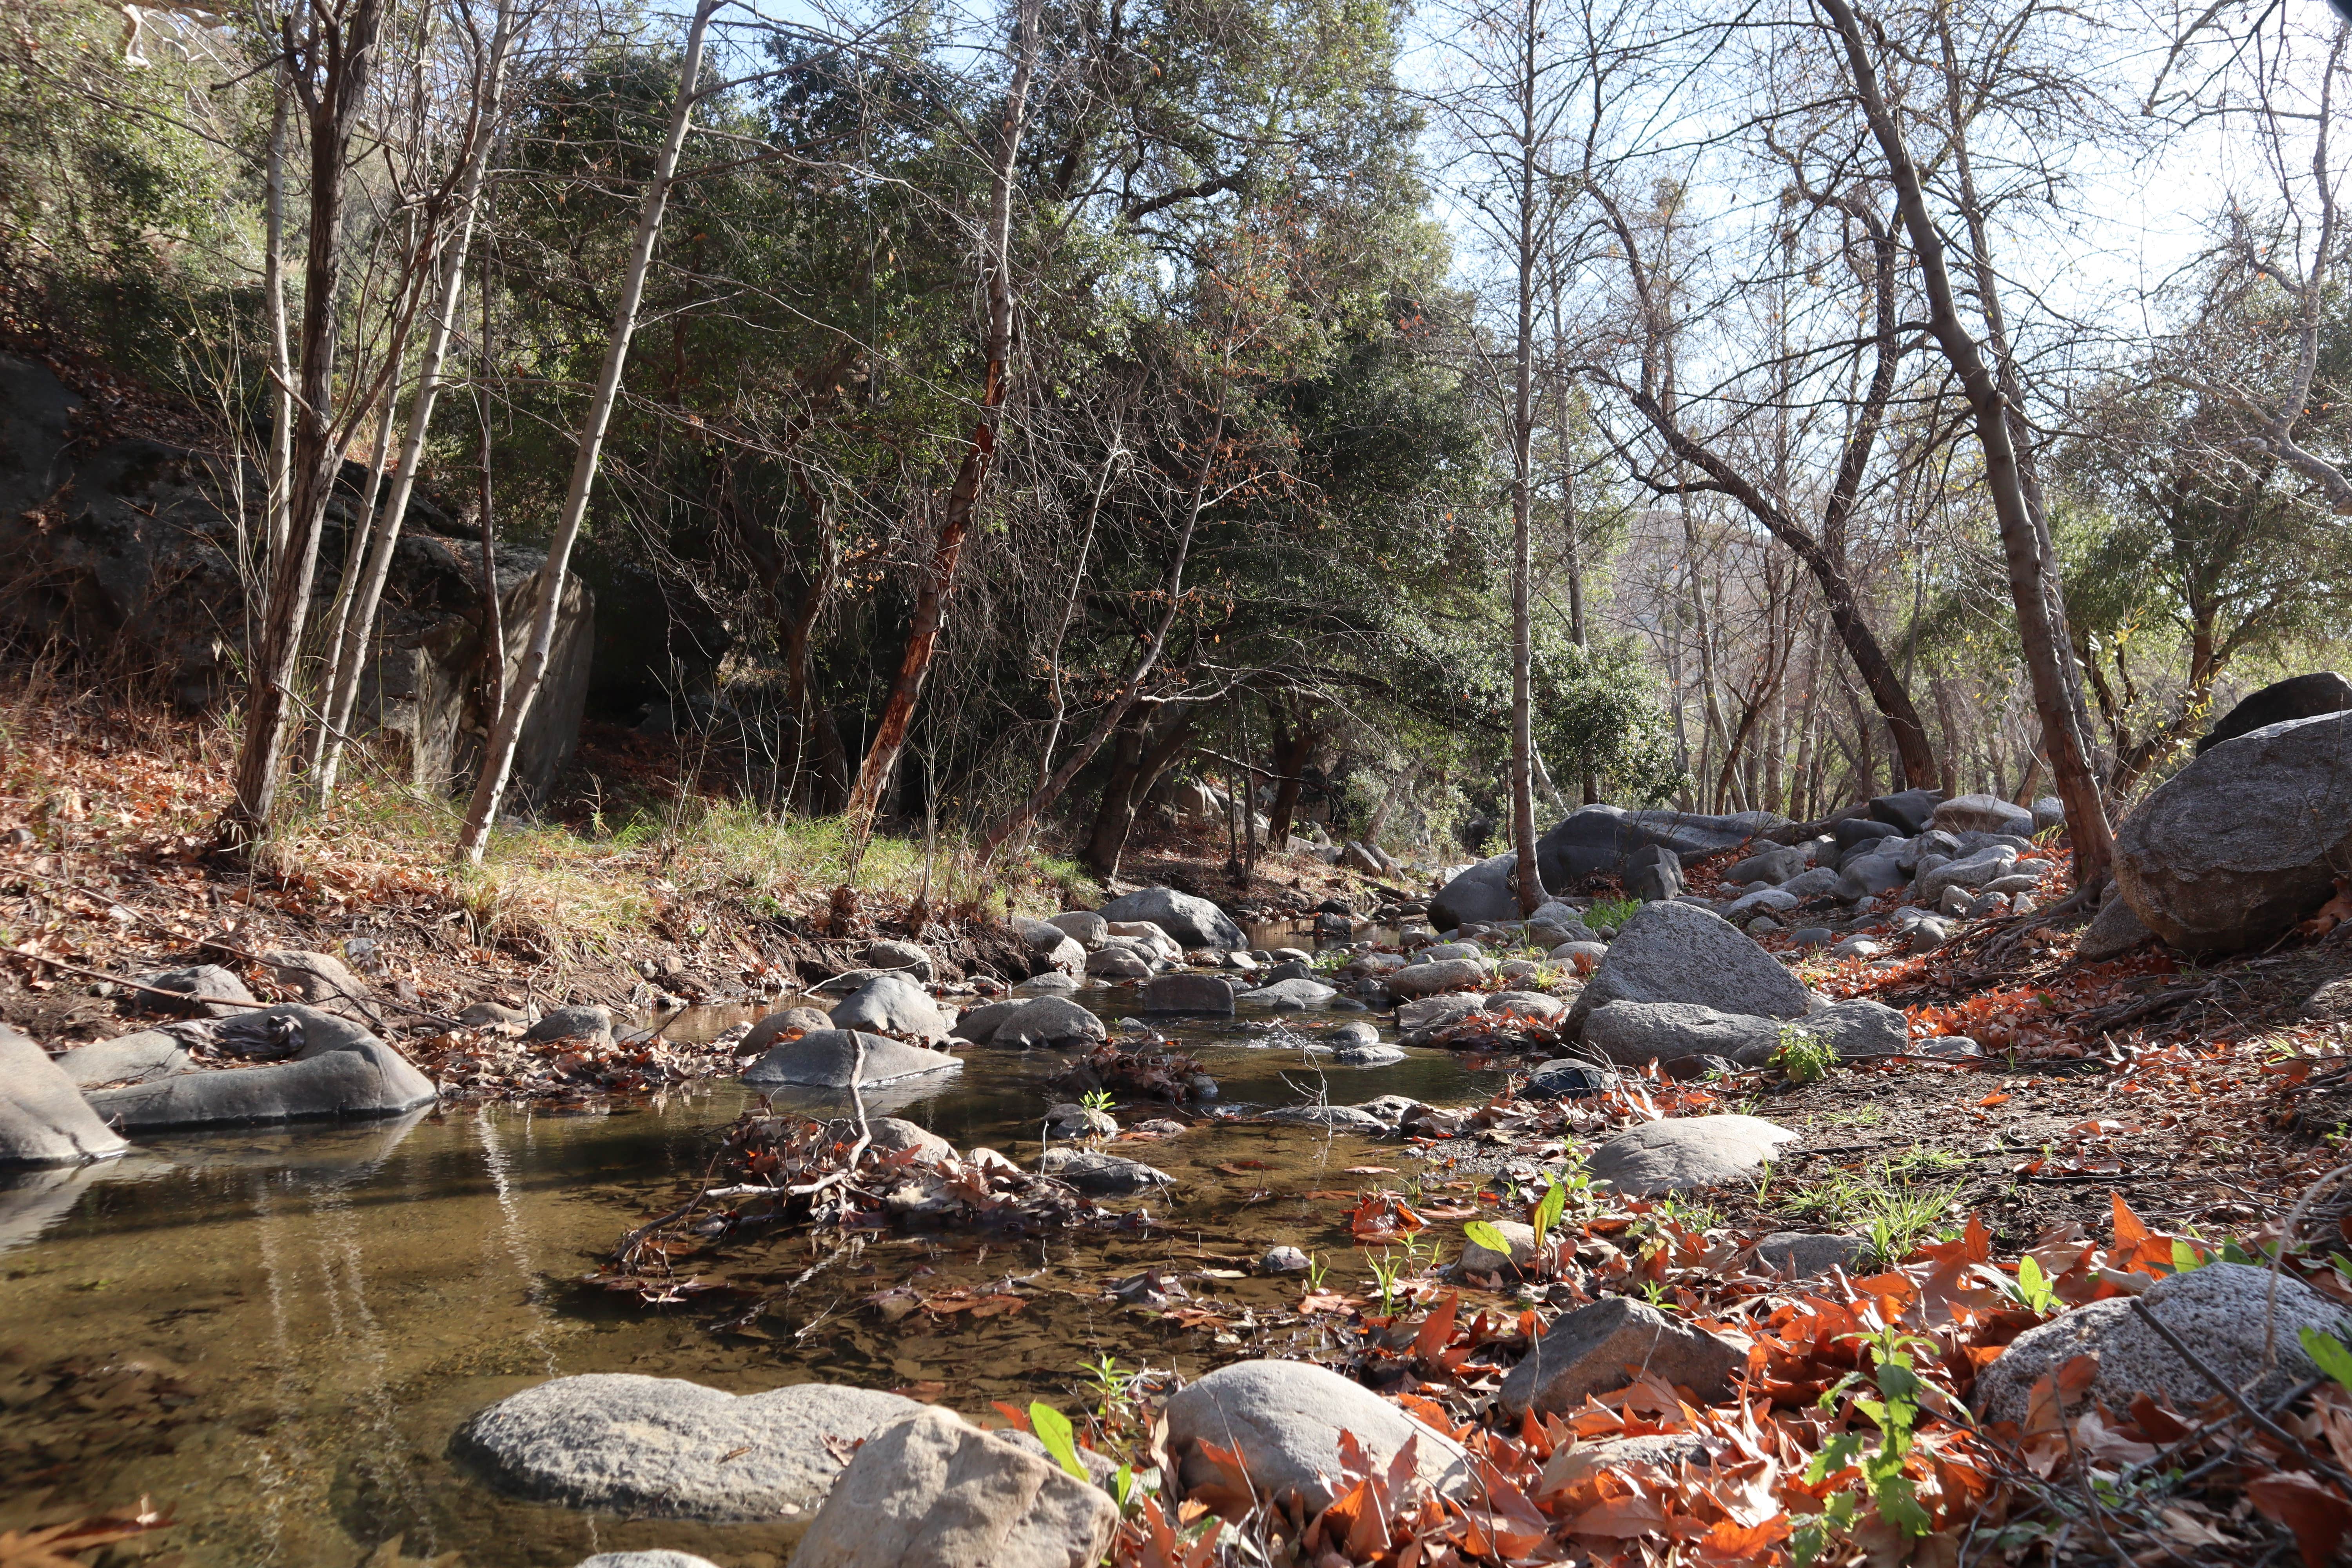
(273, 1335)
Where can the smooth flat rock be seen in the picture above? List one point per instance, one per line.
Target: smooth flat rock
(1631, 1033)
(1205, 993)
(1477, 1259)
(43, 1118)
(1104, 1176)
(1375, 1054)
(1607, 1345)
(666, 1449)
(934, 1492)
(1683, 1153)
(127, 1059)
(1194, 923)
(1676, 953)
(1984, 813)
(2218, 1310)
(765, 1033)
(2246, 840)
(1429, 979)
(1284, 1417)
(1854, 1030)
(1049, 1023)
(1057, 983)
(1971, 871)
(339, 1071)
(1805, 1255)
(829, 1059)
(2298, 697)
(1087, 927)
(1338, 1117)
(1289, 995)
(892, 1003)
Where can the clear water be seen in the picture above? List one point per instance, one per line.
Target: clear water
(272, 1335)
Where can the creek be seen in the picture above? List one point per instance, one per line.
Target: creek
(272, 1334)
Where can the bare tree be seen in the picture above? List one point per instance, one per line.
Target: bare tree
(498, 759)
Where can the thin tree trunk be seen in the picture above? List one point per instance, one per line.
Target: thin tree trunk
(273, 304)
(494, 630)
(1523, 800)
(2078, 789)
(357, 631)
(343, 53)
(498, 762)
(971, 474)
(1395, 792)
(1140, 763)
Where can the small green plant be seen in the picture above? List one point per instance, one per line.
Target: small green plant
(1801, 1058)
(1114, 1383)
(1548, 1211)
(1610, 912)
(1316, 1269)
(1053, 1429)
(1386, 1270)
(2330, 1355)
(1893, 1377)
(2033, 1287)
(1096, 1099)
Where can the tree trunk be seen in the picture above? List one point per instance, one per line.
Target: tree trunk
(273, 304)
(2086, 819)
(1395, 792)
(971, 474)
(341, 52)
(1523, 799)
(349, 654)
(1135, 770)
(498, 762)
(1293, 744)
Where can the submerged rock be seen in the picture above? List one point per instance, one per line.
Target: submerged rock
(934, 1492)
(666, 1448)
(1105, 1175)
(827, 1059)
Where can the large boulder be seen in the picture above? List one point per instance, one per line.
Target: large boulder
(1087, 927)
(1680, 953)
(1682, 1153)
(828, 1059)
(339, 1070)
(126, 1059)
(1652, 873)
(775, 1026)
(2222, 1311)
(2247, 839)
(1596, 838)
(892, 1003)
(932, 1492)
(1482, 894)
(1909, 811)
(1194, 923)
(1607, 1345)
(43, 1119)
(666, 1449)
(1633, 1033)
(1429, 979)
(323, 981)
(1284, 1419)
(212, 992)
(2298, 697)
(1049, 1023)
(1984, 813)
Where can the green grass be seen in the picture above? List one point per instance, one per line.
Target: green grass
(1890, 1203)
(1610, 912)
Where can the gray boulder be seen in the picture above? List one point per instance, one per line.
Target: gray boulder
(2298, 697)
(1485, 892)
(1971, 871)
(1104, 1176)
(1631, 1033)
(1802, 1255)
(1371, 1055)
(2049, 812)
(2221, 1310)
(43, 1119)
(1206, 993)
(828, 1059)
(901, 955)
(1429, 979)
(339, 1070)
(892, 1003)
(764, 1034)
(1564, 1078)
(1049, 1023)
(1194, 923)
(1773, 866)
(1540, 1006)
(1289, 995)
(1761, 901)
(323, 981)
(979, 1023)
(1087, 927)
(1984, 813)
(126, 1059)
(1682, 1153)
(591, 1022)
(1118, 964)
(212, 992)
(1908, 811)
(1853, 1028)
(1284, 1419)
(934, 1492)
(1607, 1345)
(1653, 872)
(1820, 882)
(662, 1447)
(1338, 1117)
(1598, 839)
(2246, 840)
(1678, 952)
(1055, 983)
(1871, 874)
(2114, 931)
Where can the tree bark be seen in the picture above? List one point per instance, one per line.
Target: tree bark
(349, 654)
(1140, 762)
(498, 762)
(273, 305)
(341, 50)
(2086, 819)
(1523, 799)
(972, 473)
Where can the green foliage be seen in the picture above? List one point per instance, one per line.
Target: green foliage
(1803, 1059)
(1548, 1211)
(1611, 913)
(1483, 1234)
(1893, 1406)
(1053, 1429)
(2330, 1355)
